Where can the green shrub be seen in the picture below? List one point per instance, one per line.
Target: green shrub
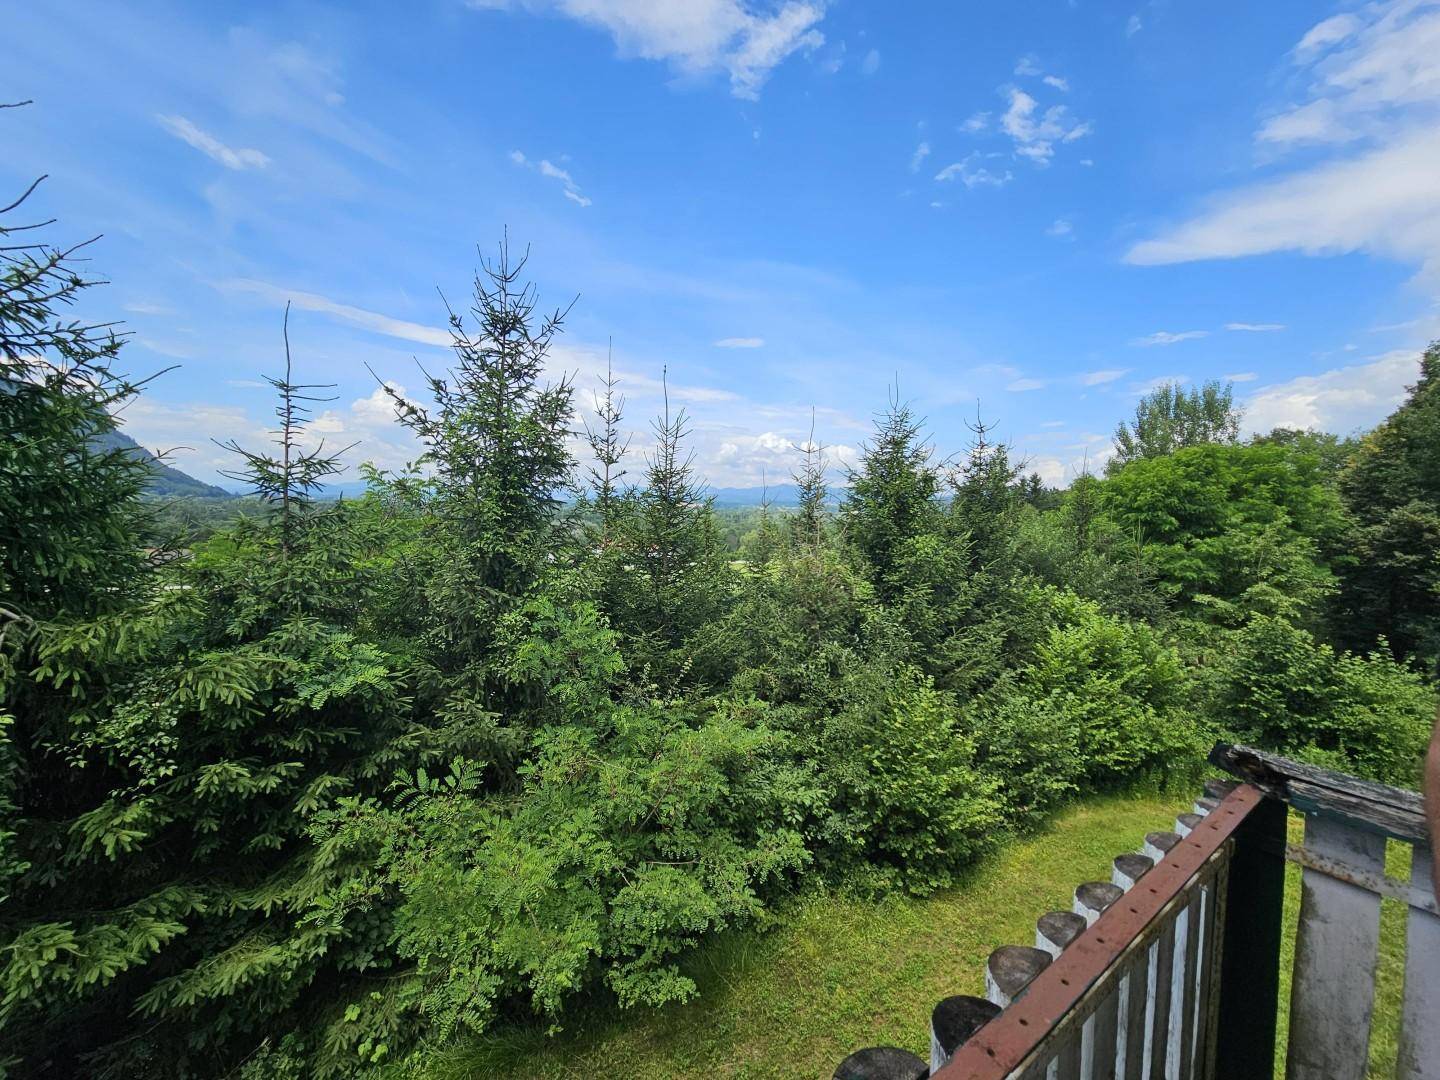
(1275, 686)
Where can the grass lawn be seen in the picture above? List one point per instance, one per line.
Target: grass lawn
(836, 975)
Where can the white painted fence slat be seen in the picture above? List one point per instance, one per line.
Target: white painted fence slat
(1131, 1063)
(1187, 989)
(1336, 950)
(1420, 1016)
(1158, 1033)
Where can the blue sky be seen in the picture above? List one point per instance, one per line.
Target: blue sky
(1046, 206)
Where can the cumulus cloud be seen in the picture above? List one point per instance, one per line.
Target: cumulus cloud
(1034, 132)
(553, 172)
(1165, 337)
(976, 122)
(212, 147)
(1061, 229)
(1339, 400)
(738, 37)
(1372, 104)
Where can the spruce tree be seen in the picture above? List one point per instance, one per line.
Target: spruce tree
(809, 523)
(892, 494)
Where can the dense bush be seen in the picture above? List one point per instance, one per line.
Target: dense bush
(1276, 686)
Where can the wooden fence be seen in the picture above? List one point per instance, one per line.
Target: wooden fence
(1171, 970)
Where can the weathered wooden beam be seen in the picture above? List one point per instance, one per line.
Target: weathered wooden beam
(1379, 808)
(1337, 948)
(882, 1063)
(1419, 1057)
(953, 1022)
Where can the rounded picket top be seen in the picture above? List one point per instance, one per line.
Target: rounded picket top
(1205, 805)
(1185, 823)
(1009, 971)
(1093, 897)
(953, 1023)
(1055, 930)
(1158, 844)
(1218, 789)
(882, 1063)
(1130, 868)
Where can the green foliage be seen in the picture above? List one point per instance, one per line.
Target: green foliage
(1392, 487)
(1232, 530)
(1276, 686)
(1169, 419)
(350, 779)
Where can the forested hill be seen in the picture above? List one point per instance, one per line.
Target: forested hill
(164, 479)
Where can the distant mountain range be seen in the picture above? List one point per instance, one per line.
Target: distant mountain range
(165, 480)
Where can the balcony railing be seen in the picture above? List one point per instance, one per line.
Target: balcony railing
(1171, 970)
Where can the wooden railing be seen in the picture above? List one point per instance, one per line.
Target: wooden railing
(1171, 970)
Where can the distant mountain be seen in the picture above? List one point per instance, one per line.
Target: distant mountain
(774, 494)
(164, 479)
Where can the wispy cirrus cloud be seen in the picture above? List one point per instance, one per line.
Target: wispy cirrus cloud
(366, 320)
(970, 172)
(552, 171)
(1255, 328)
(1166, 337)
(1100, 378)
(740, 343)
(232, 158)
(1371, 107)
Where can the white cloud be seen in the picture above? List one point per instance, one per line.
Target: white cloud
(1339, 400)
(1099, 378)
(918, 158)
(1053, 424)
(1028, 66)
(1035, 133)
(738, 37)
(1329, 32)
(367, 320)
(552, 171)
(1021, 385)
(740, 343)
(1133, 25)
(1057, 82)
(1255, 328)
(972, 174)
(1240, 376)
(212, 147)
(1374, 87)
(1061, 230)
(976, 122)
(1165, 337)
(871, 64)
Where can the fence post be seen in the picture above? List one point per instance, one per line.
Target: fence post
(1250, 943)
